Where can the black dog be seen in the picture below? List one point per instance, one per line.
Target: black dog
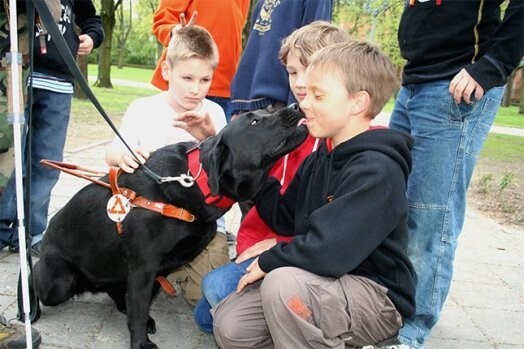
(83, 252)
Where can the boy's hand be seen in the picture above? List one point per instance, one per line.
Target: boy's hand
(128, 162)
(183, 22)
(462, 87)
(254, 274)
(256, 249)
(199, 125)
(86, 45)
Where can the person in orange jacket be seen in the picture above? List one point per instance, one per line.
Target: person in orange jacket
(224, 19)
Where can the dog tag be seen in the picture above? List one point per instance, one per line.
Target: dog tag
(118, 207)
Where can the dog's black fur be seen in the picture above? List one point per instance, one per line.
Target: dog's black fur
(82, 251)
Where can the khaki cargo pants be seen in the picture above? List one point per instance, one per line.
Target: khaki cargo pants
(189, 277)
(293, 308)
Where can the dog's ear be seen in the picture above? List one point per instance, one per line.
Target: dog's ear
(214, 164)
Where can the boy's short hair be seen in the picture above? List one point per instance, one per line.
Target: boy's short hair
(361, 66)
(189, 42)
(311, 38)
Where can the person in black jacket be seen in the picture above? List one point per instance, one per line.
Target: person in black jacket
(345, 278)
(459, 55)
(52, 84)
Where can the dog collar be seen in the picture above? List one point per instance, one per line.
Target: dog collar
(201, 178)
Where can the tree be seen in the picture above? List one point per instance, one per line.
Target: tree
(124, 28)
(142, 44)
(81, 61)
(107, 12)
(375, 20)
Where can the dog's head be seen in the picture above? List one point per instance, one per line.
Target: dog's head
(239, 157)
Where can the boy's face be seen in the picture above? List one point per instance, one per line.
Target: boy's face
(297, 75)
(189, 81)
(327, 105)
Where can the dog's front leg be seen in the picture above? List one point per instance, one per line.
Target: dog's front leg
(138, 302)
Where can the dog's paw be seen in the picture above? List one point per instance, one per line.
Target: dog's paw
(148, 345)
(151, 325)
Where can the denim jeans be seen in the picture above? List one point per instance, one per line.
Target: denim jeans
(50, 118)
(217, 285)
(225, 103)
(448, 139)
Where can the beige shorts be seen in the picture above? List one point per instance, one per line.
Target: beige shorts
(189, 277)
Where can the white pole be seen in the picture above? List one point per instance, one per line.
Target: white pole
(17, 112)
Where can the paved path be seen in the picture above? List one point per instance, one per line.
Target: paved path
(485, 309)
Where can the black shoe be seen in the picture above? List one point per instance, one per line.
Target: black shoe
(35, 249)
(14, 248)
(12, 335)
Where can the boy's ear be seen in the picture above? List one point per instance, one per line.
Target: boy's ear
(361, 102)
(165, 70)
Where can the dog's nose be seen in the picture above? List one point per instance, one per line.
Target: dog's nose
(293, 106)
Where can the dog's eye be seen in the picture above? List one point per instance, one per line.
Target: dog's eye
(254, 122)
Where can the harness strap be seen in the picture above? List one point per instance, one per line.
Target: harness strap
(114, 172)
(167, 210)
(78, 171)
(201, 178)
(166, 285)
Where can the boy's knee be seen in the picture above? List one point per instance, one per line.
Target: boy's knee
(227, 329)
(280, 284)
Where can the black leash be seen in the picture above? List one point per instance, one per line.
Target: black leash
(58, 39)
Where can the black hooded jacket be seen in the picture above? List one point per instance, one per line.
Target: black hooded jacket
(79, 12)
(348, 212)
(439, 38)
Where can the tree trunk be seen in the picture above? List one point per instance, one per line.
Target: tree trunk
(506, 100)
(123, 34)
(107, 12)
(521, 102)
(81, 61)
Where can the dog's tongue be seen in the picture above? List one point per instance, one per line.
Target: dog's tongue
(302, 121)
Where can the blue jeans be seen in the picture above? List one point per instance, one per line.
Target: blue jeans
(50, 119)
(448, 139)
(217, 285)
(225, 103)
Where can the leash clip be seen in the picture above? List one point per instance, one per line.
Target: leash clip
(184, 180)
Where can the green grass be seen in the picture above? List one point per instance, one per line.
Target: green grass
(114, 101)
(504, 148)
(126, 73)
(509, 116)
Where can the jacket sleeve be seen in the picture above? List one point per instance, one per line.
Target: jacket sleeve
(276, 212)
(315, 10)
(506, 50)
(89, 22)
(369, 203)
(166, 16)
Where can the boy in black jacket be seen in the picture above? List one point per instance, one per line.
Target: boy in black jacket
(345, 278)
(52, 84)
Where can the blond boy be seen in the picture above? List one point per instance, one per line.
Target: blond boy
(344, 279)
(172, 116)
